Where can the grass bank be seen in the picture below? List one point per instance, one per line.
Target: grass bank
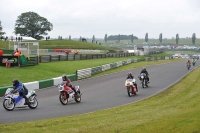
(62, 44)
(175, 110)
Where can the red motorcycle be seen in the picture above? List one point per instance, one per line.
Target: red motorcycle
(131, 89)
(68, 95)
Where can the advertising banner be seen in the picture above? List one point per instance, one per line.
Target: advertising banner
(12, 59)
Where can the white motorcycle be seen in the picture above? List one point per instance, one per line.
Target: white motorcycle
(12, 101)
(131, 88)
(68, 95)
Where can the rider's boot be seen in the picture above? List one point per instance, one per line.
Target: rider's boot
(26, 100)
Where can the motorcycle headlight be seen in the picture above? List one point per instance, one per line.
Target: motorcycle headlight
(128, 84)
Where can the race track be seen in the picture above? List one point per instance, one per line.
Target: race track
(98, 93)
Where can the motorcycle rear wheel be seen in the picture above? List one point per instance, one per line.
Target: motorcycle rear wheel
(5, 105)
(62, 100)
(33, 104)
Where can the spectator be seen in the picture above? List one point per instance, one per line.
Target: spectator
(46, 38)
(21, 38)
(18, 38)
(1, 52)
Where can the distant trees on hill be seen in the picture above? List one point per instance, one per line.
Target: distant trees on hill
(122, 37)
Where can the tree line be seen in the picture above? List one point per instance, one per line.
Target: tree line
(31, 24)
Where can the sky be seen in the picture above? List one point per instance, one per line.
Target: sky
(86, 18)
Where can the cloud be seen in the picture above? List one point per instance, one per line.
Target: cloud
(98, 17)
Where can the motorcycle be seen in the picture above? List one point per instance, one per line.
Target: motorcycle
(193, 63)
(131, 89)
(12, 101)
(68, 95)
(188, 66)
(143, 79)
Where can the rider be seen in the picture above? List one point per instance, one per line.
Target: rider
(67, 81)
(19, 87)
(130, 76)
(188, 62)
(193, 60)
(145, 71)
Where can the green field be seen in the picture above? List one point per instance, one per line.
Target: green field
(176, 110)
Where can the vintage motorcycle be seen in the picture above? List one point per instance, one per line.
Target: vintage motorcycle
(131, 89)
(13, 100)
(68, 95)
(143, 79)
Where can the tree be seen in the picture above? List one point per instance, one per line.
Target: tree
(1, 32)
(160, 37)
(118, 38)
(93, 39)
(32, 25)
(132, 38)
(146, 37)
(106, 38)
(193, 38)
(177, 38)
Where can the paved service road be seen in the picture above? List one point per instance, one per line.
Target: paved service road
(98, 93)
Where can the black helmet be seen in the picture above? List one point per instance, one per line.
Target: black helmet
(64, 77)
(15, 82)
(144, 69)
(129, 74)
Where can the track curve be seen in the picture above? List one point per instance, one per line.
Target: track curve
(98, 93)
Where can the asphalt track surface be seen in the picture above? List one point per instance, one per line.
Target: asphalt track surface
(98, 93)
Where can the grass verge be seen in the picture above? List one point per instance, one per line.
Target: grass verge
(175, 110)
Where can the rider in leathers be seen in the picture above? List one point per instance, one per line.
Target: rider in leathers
(145, 71)
(19, 87)
(67, 81)
(130, 76)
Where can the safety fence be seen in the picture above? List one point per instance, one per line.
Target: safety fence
(51, 58)
(85, 73)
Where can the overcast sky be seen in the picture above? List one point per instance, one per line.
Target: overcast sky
(97, 17)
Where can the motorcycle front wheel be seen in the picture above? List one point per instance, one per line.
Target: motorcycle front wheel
(129, 91)
(78, 98)
(62, 99)
(143, 83)
(8, 104)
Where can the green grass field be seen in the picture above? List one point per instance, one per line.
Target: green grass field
(176, 110)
